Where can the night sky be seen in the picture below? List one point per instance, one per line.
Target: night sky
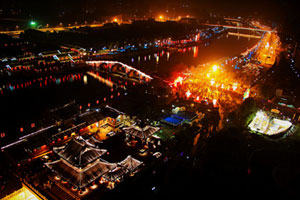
(269, 8)
(284, 12)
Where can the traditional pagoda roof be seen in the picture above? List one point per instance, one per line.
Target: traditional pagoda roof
(90, 117)
(93, 141)
(108, 111)
(130, 163)
(65, 112)
(90, 140)
(78, 152)
(115, 173)
(80, 177)
(141, 132)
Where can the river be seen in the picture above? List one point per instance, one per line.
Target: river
(23, 106)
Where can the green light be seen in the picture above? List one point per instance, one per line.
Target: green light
(32, 23)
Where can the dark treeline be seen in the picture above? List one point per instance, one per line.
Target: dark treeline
(137, 32)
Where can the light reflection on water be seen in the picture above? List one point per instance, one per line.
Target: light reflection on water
(29, 103)
(165, 63)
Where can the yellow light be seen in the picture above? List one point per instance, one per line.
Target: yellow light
(267, 45)
(178, 80)
(161, 17)
(214, 102)
(188, 94)
(115, 20)
(22, 193)
(234, 87)
(215, 68)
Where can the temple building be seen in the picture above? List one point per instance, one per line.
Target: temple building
(141, 132)
(79, 163)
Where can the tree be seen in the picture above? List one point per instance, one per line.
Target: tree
(247, 109)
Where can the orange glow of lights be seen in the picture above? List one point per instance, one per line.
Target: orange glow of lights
(178, 80)
(214, 102)
(267, 45)
(188, 94)
(234, 87)
(215, 68)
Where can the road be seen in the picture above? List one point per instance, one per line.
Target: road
(52, 29)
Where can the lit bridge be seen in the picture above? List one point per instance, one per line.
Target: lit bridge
(121, 68)
(239, 27)
(244, 35)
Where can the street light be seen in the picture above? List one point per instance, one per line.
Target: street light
(32, 23)
(161, 17)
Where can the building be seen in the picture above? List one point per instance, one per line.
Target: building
(79, 163)
(140, 132)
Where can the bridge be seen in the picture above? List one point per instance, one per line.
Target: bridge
(244, 35)
(118, 67)
(240, 27)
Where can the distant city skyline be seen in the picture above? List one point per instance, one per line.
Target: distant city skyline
(67, 11)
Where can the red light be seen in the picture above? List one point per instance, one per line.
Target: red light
(249, 171)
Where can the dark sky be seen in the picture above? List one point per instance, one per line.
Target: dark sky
(268, 8)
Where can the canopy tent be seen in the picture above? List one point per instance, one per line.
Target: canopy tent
(139, 132)
(130, 163)
(78, 152)
(80, 177)
(114, 174)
